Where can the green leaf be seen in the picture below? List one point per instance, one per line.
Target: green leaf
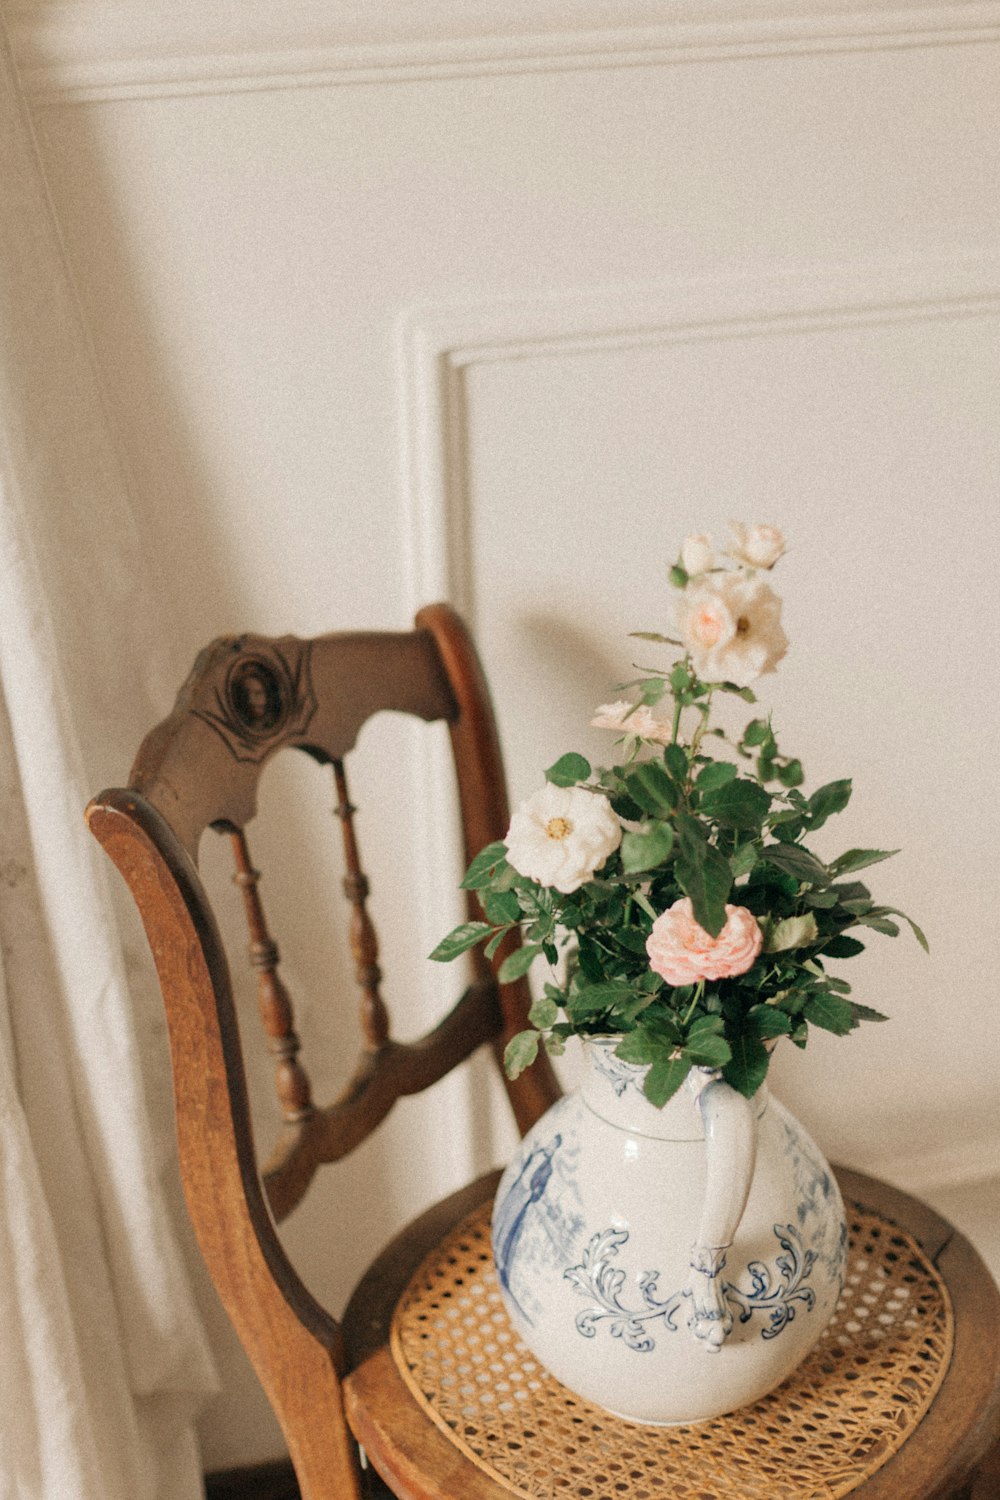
(544, 1012)
(756, 732)
(480, 872)
(653, 635)
(643, 901)
(842, 947)
(747, 1068)
(664, 1079)
(704, 1026)
(517, 964)
(827, 800)
(640, 1046)
(650, 785)
(791, 932)
(676, 762)
(703, 874)
(821, 900)
(495, 941)
(678, 576)
(651, 690)
(768, 1021)
(830, 1012)
(917, 932)
(880, 924)
(708, 1051)
(865, 1012)
(852, 890)
(893, 911)
(568, 770)
(632, 1008)
(795, 860)
(460, 940)
(595, 999)
(680, 678)
(791, 773)
(520, 1052)
(859, 859)
(647, 848)
(736, 804)
(501, 907)
(743, 861)
(717, 773)
(632, 939)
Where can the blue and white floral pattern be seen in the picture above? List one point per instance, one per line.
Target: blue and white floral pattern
(772, 1292)
(621, 1075)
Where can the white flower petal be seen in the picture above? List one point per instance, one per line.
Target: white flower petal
(561, 835)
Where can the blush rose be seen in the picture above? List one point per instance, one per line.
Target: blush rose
(683, 952)
(731, 625)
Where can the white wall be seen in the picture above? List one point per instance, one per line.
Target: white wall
(498, 302)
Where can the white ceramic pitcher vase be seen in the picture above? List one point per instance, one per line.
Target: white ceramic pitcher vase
(670, 1264)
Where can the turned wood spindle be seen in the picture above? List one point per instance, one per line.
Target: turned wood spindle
(364, 940)
(290, 1078)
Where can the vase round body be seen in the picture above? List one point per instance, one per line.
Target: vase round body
(669, 1265)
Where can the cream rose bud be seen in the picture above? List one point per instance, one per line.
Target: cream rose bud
(757, 546)
(561, 835)
(682, 951)
(697, 555)
(640, 721)
(731, 625)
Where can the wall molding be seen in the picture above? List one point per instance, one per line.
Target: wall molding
(82, 51)
(439, 345)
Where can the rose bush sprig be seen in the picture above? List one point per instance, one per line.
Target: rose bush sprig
(673, 893)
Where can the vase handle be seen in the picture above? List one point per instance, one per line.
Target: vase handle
(730, 1153)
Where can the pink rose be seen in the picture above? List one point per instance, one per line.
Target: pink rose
(683, 952)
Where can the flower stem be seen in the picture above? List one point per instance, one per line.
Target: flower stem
(699, 991)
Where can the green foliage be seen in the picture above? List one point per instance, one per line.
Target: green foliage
(568, 770)
(728, 829)
(645, 848)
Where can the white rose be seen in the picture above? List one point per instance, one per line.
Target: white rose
(757, 546)
(561, 835)
(731, 625)
(640, 721)
(697, 555)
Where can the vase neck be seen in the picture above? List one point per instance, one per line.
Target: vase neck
(613, 1090)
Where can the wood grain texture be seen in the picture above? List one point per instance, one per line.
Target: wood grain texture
(248, 697)
(294, 1345)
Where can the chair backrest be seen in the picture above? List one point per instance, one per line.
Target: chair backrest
(246, 698)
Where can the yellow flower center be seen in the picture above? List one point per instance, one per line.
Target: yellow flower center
(558, 828)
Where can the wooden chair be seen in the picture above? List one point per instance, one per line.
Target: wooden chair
(246, 698)
(334, 1385)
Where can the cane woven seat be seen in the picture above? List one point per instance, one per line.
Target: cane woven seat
(853, 1403)
(900, 1400)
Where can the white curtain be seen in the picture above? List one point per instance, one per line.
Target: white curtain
(103, 1364)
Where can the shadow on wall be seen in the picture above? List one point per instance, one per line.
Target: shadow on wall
(577, 666)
